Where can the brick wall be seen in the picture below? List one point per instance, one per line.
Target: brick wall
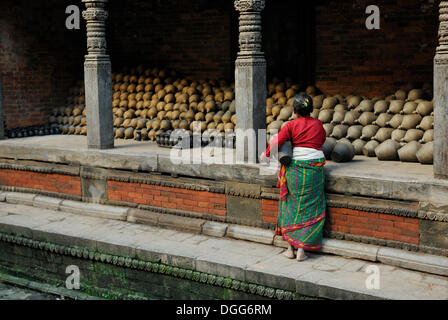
(328, 44)
(355, 222)
(369, 224)
(170, 198)
(192, 37)
(351, 58)
(39, 59)
(57, 183)
(344, 221)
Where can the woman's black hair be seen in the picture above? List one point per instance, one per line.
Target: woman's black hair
(303, 104)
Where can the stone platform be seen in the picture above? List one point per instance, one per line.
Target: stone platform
(387, 204)
(364, 176)
(112, 248)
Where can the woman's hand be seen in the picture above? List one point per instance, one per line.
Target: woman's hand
(263, 158)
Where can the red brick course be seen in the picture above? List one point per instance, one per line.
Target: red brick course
(382, 226)
(370, 224)
(170, 198)
(41, 181)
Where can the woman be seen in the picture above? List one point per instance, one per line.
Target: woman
(302, 197)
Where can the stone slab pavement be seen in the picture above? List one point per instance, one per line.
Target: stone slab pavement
(9, 292)
(324, 276)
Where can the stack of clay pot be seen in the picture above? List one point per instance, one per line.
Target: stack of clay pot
(279, 110)
(396, 127)
(71, 119)
(147, 103)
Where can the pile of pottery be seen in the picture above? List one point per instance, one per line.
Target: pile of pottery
(24, 132)
(150, 102)
(71, 119)
(397, 127)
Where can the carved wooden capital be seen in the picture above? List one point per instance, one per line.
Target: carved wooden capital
(96, 16)
(250, 30)
(442, 49)
(249, 5)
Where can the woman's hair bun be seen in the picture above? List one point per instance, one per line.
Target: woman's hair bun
(302, 104)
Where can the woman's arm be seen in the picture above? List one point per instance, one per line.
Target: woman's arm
(278, 140)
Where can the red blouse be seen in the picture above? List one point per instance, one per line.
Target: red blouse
(304, 132)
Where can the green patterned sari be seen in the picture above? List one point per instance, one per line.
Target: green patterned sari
(302, 205)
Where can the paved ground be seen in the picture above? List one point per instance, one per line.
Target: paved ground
(321, 275)
(8, 292)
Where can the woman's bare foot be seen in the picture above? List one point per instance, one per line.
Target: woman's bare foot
(289, 253)
(301, 255)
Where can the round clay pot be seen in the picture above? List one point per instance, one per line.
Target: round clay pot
(328, 147)
(326, 115)
(329, 128)
(426, 153)
(351, 117)
(401, 94)
(415, 94)
(383, 134)
(338, 117)
(358, 145)
(318, 101)
(354, 132)
(410, 121)
(381, 106)
(408, 153)
(425, 108)
(396, 121)
(409, 107)
(330, 103)
(427, 123)
(413, 135)
(396, 106)
(428, 136)
(383, 120)
(342, 152)
(369, 148)
(365, 106)
(353, 102)
(366, 118)
(369, 131)
(387, 151)
(339, 131)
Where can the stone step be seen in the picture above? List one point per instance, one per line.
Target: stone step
(322, 275)
(395, 257)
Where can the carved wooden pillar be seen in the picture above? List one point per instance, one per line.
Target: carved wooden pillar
(250, 81)
(98, 80)
(441, 97)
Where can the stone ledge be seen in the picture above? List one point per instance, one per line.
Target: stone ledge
(251, 234)
(415, 261)
(215, 229)
(364, 251)
(20, 198)
(47, 203)
(351, 249)
(94, 210)
(190, 225)
(239, 263)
